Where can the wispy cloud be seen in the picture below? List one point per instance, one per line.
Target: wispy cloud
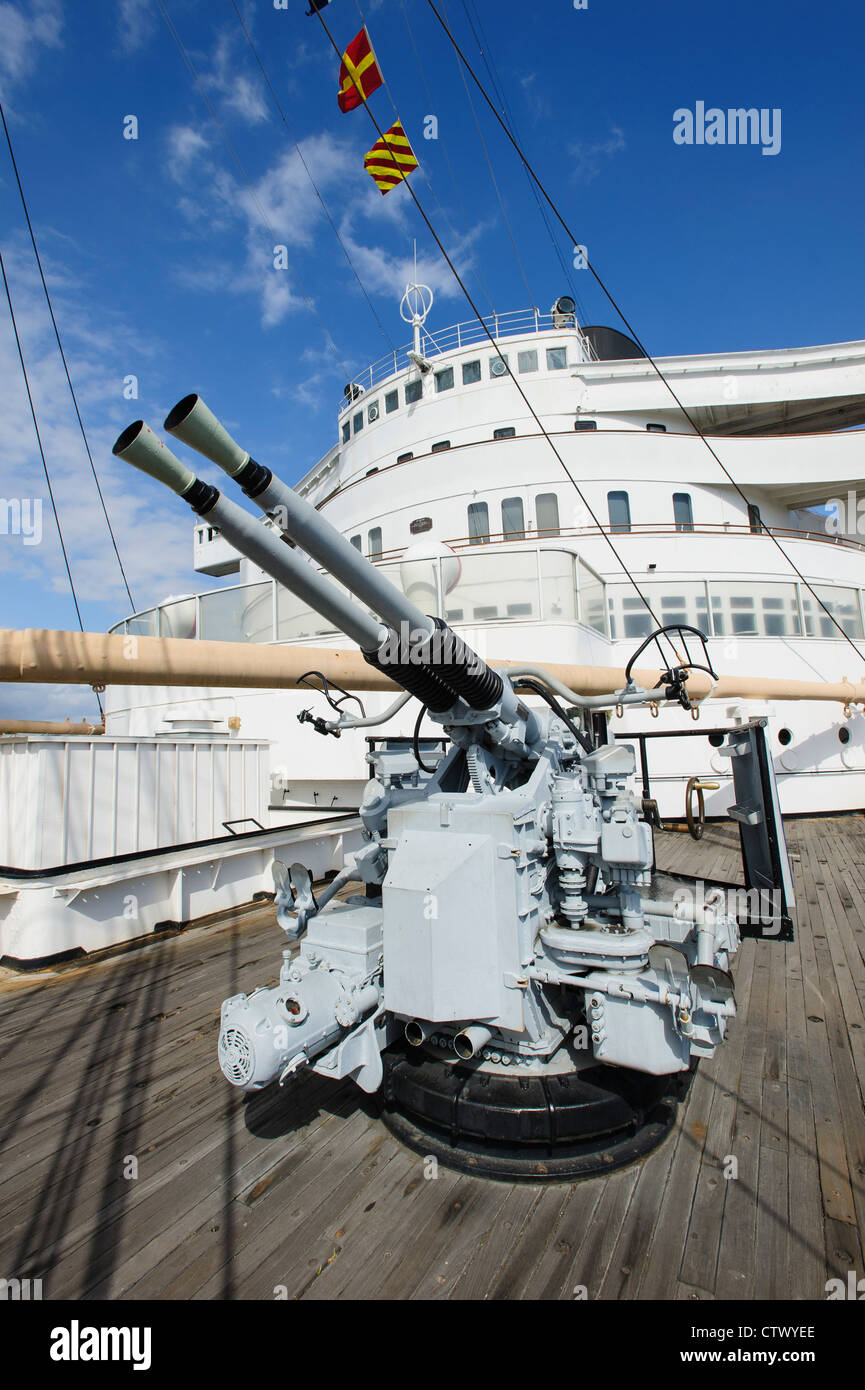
(241, 93)
(98, 372)
(186, 145)
(25, 30)
(536, 95)
(279, 209)
(589, 155)
(136, 24)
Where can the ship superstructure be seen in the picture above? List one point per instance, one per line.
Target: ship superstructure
(441, 476)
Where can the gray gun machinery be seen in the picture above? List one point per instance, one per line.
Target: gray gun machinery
(525, 992)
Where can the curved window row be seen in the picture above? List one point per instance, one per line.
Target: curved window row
(549, 585)
(444, 379)
(736, 608)
(532, 584)
(513, 522)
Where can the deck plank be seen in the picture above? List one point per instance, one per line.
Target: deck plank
(306, 1195)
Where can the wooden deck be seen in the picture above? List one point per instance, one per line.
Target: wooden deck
(112, 1065)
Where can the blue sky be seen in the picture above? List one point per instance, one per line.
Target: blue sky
(158, 251)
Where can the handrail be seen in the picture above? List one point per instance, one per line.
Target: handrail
(458, 335)
(719, 528)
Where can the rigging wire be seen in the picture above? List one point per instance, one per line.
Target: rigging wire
(498, 351)
(495, 184)
(477, 273)
(63, 354)
(193, 71)
(507, 111)
(423, 171)
(308, 172)
(44, 460)
(632, 331)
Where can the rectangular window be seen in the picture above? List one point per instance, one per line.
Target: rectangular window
(513, 521)
(373, 543)
(592, 590)
(657, 429)
(237, 615)
(585, 425)
(843, 604)
(636, 619)
(506, 432)
(413, 391)
(440, 446)
(357, 422)
(558, 585)
(754, 609)
(754, 521)
(372, 412)
(346, 432)
(499, 366)
(471, 373)
(683, 514)
(391, 402)
(479, 523)
(620, 517)
(527, 361)
(494, 586)
(357, 543)
(547, 514)
(557, 359)
(404, 458)
(445, 379)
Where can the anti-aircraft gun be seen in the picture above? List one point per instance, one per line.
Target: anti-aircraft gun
(527, 994)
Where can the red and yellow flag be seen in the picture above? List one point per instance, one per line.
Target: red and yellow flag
(391, 158)
(359, 74)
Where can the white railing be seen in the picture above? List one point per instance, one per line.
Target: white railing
(535, 583)
(460, 335)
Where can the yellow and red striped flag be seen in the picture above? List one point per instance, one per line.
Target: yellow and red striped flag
(359, 74)
(391, 158)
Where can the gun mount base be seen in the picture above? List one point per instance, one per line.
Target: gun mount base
(560, 1127)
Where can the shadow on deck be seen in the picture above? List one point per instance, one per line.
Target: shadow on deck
(129, 1169)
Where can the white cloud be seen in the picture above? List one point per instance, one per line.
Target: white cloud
(281, 208)
(284, 198)
(588, 155)
(155, 541)
(186, 144)
(242, 94)
(389, 271)
(536, 96)
(136, 22)
(25, 29)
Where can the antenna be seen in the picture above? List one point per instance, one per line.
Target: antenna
(415, 306)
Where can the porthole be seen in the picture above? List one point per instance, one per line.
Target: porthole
(716, 740)
(843, 735)
(784, 737)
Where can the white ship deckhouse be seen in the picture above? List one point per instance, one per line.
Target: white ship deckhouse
(442, 476)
